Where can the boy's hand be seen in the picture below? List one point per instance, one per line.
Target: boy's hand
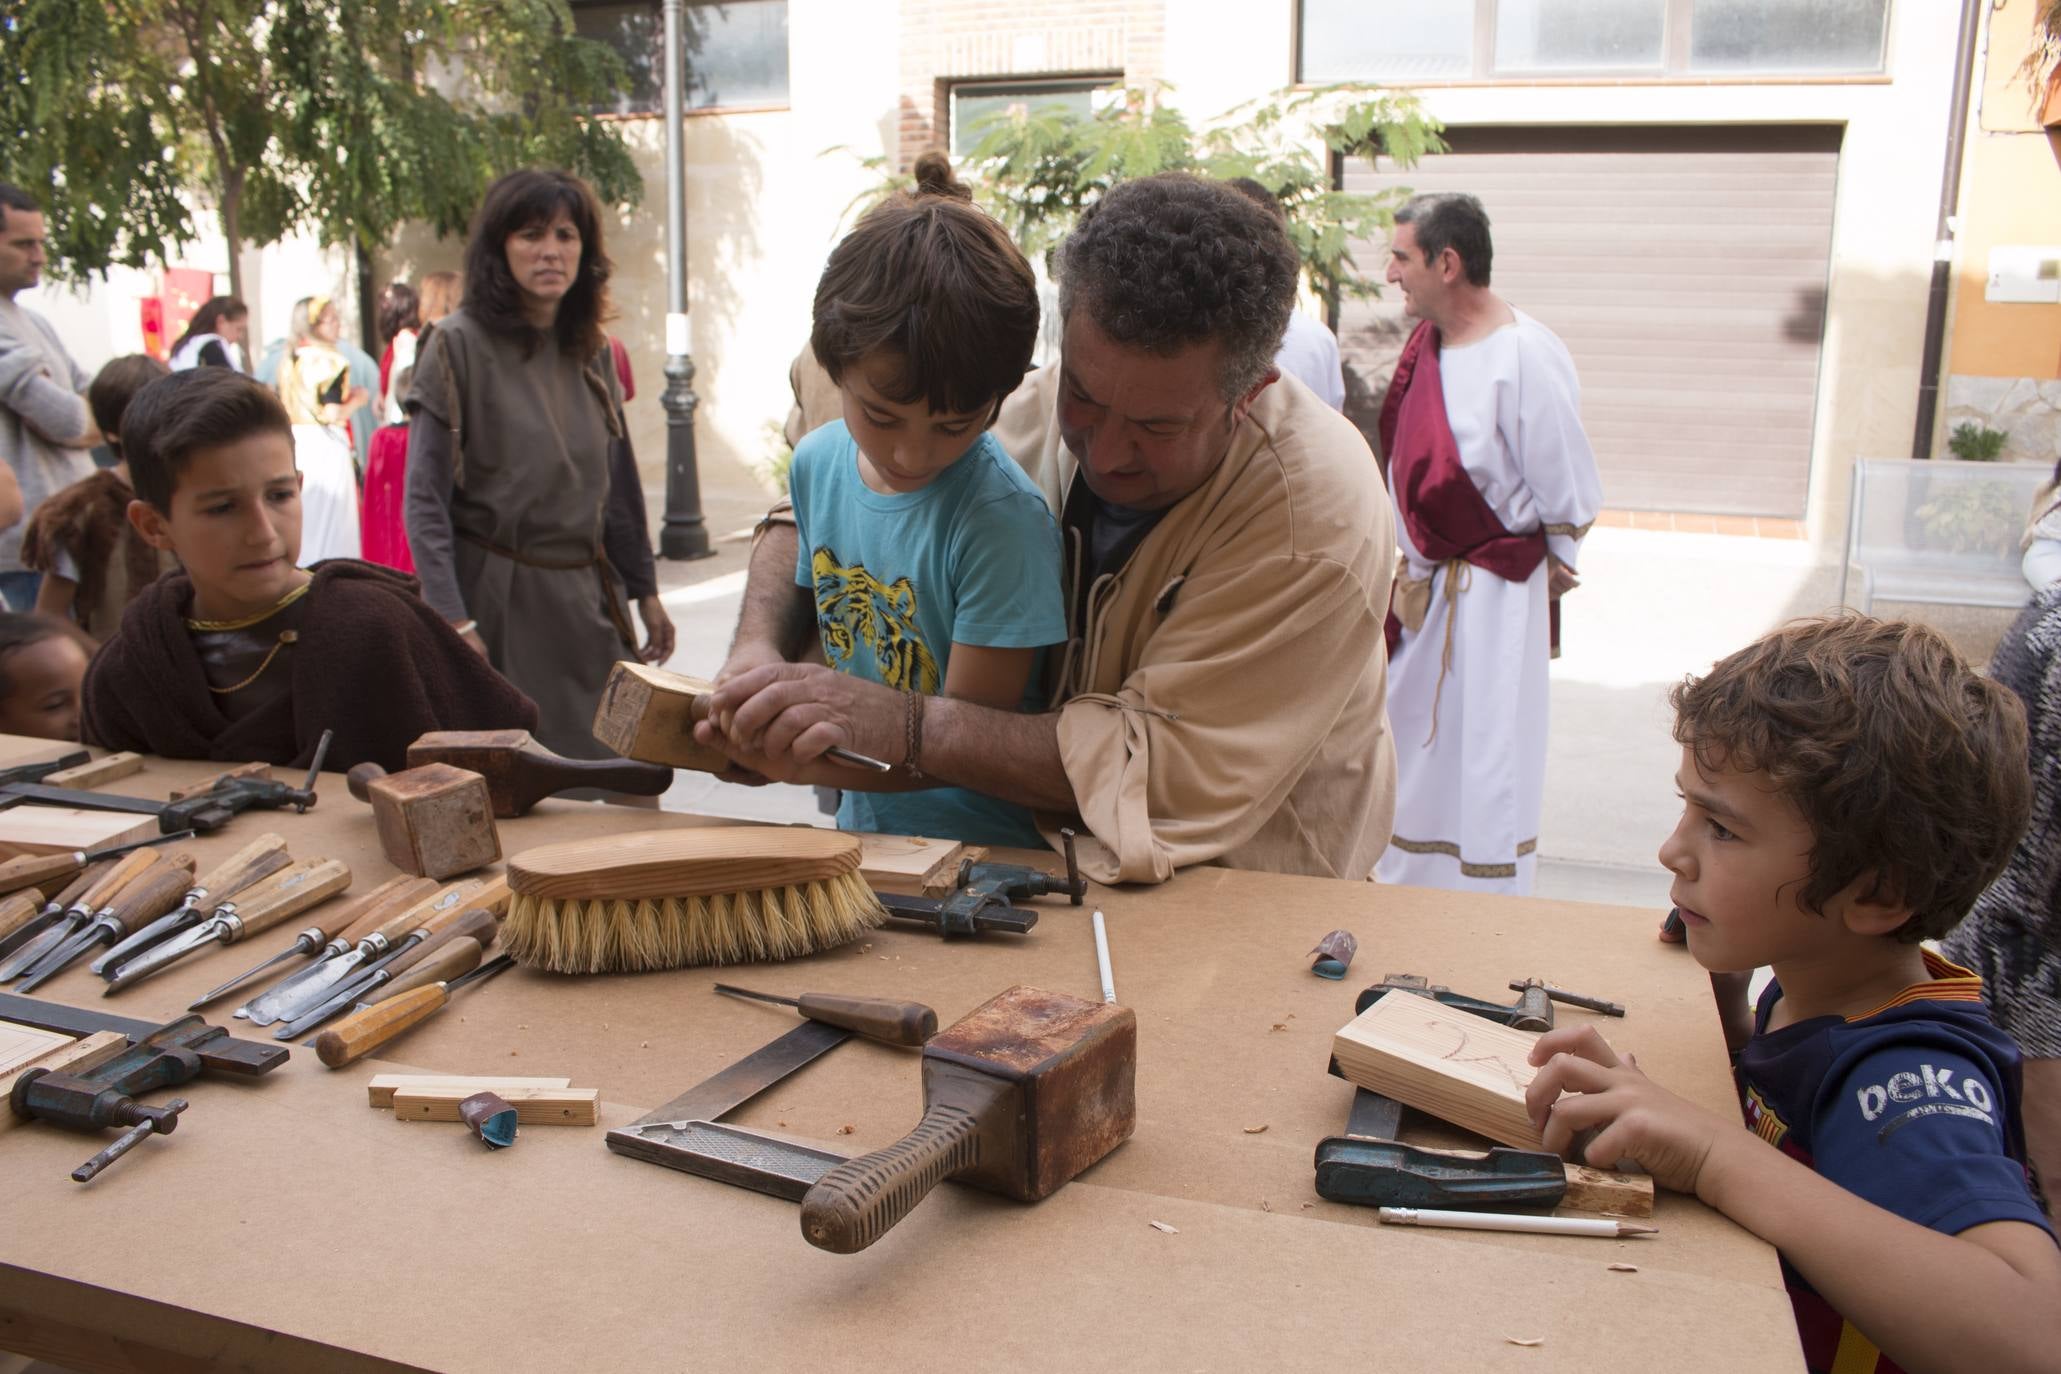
(1582, 1086)
(659, 634)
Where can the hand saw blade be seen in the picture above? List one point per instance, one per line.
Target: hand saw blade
(749, 1076)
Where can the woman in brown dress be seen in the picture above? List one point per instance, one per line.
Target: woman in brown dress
(525, 512)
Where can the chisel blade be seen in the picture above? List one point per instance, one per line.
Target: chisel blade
(163, 928)
(170, 951)
(35, 950)
(302, 990)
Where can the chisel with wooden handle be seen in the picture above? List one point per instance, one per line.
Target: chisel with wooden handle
(421, 943)
(351, 921)
(52, 909)
(313, 986)
(284, 896)
(876, 1018)
(150, 896)
(89, 904)
(261, 858)
(38, 870)
(365, 1030)
(454, 958)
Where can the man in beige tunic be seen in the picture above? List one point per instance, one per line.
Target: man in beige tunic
(1229, 547)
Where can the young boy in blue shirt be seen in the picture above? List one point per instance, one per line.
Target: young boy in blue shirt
(1848, 788)
(933, 560)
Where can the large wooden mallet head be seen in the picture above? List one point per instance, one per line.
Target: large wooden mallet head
(1025, 1093)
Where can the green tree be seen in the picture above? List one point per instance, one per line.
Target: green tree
(347, 117)
(1038, 168)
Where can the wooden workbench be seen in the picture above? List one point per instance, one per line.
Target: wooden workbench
(287, 1225)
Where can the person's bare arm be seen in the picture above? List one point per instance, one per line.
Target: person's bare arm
(56, 595)
(778, 615)
(1988, 1298)
(11, 505)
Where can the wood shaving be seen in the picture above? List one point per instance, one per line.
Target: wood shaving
(1307, 1205)
(1524, 1340)
(1162, 1226)
(1255, 1130)
(1624, 1268)
(846, 1129)
(1278, 1025)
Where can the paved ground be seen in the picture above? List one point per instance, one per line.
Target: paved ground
(1654, 607)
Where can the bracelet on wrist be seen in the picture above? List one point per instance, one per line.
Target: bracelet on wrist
(464, 627)
(913, 735)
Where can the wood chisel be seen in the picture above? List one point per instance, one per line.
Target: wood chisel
(336, 932)
(261, 858)
(366, 1029)
(421, 942)
(35, 870)
(876, 1018)
(283, 896)
(80, 910)
(16, 936)
(150, 896)
(314, 985)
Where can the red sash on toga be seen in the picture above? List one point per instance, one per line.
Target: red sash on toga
(1438, 502)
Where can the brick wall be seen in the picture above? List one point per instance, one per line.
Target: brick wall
(944, 41)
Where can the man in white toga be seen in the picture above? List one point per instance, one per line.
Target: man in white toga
(1494, 485)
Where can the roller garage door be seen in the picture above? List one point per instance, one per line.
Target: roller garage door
(1684, 267)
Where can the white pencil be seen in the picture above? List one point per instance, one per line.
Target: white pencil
(1509, 1221)
(1102, 959)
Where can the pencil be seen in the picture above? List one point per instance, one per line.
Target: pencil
(1510, 1221)
(1102, 959)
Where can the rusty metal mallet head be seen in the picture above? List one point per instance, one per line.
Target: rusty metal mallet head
(1023, 1094)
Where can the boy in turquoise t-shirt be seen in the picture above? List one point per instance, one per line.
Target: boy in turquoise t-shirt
(933, 559)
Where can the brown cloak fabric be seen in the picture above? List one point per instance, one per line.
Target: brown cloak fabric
(531, 444)
(374, 664)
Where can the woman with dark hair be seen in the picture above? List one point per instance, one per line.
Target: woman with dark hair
(525, 514)
(400, 322)
(214, 336)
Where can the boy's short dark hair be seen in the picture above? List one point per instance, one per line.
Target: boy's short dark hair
(114, 386)
(940, 282)
(1910, 768)
(176, 416)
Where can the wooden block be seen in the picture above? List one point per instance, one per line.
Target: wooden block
(907, 863)
(435, 821)
(380, 1091)
(207, 784)
(39, 829)
(73, 1056)
(22, 1045)
(533, 1106)
(1456, 1066)
(109, 768)
(647, 713)
(1605, 1190)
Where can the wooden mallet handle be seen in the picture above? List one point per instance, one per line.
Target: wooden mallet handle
(360, 779)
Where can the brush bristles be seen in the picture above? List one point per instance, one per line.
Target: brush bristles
(614, 935)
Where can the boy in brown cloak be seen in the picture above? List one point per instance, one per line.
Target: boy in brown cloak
(244, 656)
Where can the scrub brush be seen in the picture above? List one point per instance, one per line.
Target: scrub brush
(659, 899)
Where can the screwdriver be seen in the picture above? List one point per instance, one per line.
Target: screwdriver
(367, 1028)
(876, 1018)
(368, 911)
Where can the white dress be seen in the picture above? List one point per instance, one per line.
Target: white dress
(1471, 750)
(329, 477)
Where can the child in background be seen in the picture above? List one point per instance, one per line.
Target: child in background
(41, 664)
(242, 655)
(932, 559)
(1849, 787)
(383, 520)
(93, 563)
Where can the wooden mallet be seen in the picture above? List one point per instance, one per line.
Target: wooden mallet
(521, 772)
(1025, 1093)
(434, 821)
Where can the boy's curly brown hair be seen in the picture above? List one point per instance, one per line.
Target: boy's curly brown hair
(1910, 768)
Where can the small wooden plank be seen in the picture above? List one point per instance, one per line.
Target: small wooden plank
(1456, 1066)
(109, 768)
(1605, 1190)
(73, 1056)
(647, 713)
(908, 863)
(38, 829)
(262, 771)
(380, 1091)
(22, 1045)
(533, 1106)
